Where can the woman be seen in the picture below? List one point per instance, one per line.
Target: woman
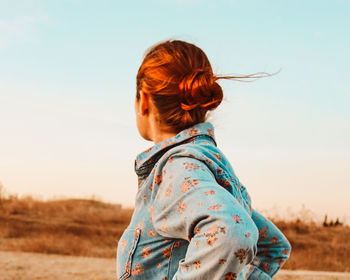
(193, 218)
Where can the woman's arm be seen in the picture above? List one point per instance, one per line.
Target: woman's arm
(273, 249)
(190, 204)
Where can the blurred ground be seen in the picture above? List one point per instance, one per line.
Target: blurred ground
(34, 266)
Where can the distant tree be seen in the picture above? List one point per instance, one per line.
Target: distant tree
(338, 223)
(2, 193)
(325, 221)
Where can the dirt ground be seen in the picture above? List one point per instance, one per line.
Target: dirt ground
(34, 266)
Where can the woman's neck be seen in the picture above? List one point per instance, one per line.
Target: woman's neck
(159, 133)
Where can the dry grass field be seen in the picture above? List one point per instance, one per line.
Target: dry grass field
(68, 227)
(315, 247)
(90, 228)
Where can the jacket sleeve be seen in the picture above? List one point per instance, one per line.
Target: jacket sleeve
(189, 204)
(273, 249)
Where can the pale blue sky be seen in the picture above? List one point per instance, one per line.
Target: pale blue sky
(67, 87)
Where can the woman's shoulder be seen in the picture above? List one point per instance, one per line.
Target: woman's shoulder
(203, 161)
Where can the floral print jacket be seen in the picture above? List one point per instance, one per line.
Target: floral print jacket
(193, 218)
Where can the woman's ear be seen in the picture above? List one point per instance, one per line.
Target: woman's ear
(144, 103)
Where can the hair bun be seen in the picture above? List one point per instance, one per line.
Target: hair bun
(200, 89)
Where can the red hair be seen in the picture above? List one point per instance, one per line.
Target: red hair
(179, 79)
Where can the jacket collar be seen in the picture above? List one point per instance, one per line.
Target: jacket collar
(145, 161)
